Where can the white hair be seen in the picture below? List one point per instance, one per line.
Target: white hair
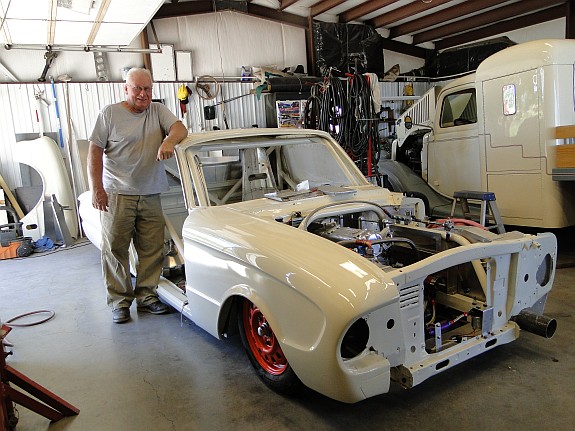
(137, 71)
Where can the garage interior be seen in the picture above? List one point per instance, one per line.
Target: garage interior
(238, 61)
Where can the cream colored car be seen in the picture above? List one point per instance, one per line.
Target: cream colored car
(331, 281)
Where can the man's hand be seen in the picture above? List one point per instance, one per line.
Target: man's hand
(166, 150)
(176, 133)
(100, 199)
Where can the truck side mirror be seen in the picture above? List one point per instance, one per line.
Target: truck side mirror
(408, 122)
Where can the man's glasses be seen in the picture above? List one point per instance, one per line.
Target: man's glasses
(139, 89)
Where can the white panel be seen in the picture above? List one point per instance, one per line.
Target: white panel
(82, 6)
(27, 21)
(119, 33)
(293, 38)
(223, 42)
(32, 9)
(138, 11)
(27, 32)
(163, 65)
(69, 33)
(184, 70)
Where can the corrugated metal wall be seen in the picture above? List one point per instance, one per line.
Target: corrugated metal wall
(22, 112)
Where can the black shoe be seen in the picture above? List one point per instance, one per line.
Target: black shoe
(121, 315)
(157, 307)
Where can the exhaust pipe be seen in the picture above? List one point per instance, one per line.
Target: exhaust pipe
(536, 323)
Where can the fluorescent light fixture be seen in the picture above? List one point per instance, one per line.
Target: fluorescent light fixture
(74, 22)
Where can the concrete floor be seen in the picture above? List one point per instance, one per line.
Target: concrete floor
(164, 373)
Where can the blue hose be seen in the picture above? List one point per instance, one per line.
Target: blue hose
(57, 114)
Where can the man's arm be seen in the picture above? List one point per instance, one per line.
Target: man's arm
(176, 134)
(95, 170)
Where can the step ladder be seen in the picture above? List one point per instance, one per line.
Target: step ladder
(488, 210)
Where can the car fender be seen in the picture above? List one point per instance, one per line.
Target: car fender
(329, 285)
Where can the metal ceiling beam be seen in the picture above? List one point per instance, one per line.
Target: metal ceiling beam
(570, 25)
(324, 6)
(364, 9)
(404, 12)
(442, 16)
(503, 27)
(274, 15)
(310, 52)
(174, 10)
(492, 16)
(405, 48)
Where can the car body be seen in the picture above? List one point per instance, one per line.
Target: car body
(332, 281)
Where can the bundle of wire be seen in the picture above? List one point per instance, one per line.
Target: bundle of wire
(347, 114)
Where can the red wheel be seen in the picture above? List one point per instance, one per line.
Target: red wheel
(262, 341)
(264, 350)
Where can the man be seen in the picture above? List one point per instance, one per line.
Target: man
(129, 141)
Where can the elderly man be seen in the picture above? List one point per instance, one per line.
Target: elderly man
(127, 146)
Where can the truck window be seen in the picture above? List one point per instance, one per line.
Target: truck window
(458, 109)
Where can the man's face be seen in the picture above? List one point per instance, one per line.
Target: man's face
(138, 91)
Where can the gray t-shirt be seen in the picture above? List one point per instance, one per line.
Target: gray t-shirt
(130, 142)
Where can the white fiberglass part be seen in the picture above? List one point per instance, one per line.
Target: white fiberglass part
(44, 156)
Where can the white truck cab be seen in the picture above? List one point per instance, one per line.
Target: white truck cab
(493, 130)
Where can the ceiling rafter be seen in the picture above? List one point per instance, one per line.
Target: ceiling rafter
(503, 27)
(279, 16)
(442, 16)
(364, 9)
(486, 18)
(174, 10)
(404, 12)
(324, 6)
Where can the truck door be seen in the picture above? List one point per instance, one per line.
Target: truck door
(453, 155)
(512, 144)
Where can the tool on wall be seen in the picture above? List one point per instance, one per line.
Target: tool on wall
(57, 113)
(40, 99)
(101, 66)
(49, 56)
(184, 93)
(207, 87)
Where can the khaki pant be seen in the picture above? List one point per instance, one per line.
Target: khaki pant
(138, 219)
